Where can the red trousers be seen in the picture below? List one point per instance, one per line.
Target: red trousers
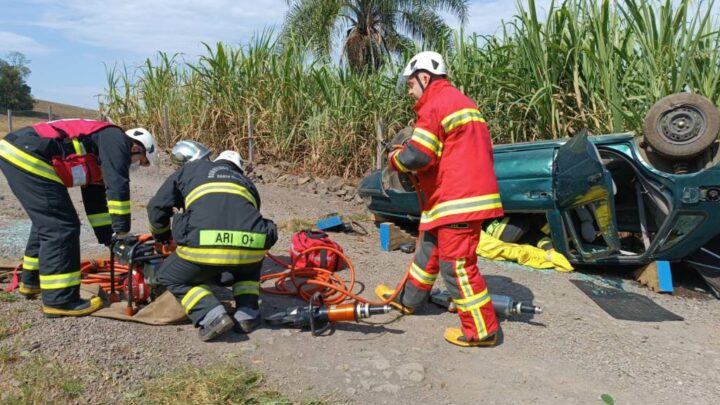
(450, 251)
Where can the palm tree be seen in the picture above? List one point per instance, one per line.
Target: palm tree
(374, 29)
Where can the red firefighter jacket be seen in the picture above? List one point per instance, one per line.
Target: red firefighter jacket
(451, 151)
(100, 146)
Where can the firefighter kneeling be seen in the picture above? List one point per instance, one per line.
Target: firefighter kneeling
(219, 231)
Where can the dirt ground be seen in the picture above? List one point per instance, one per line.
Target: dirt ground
(571, 354)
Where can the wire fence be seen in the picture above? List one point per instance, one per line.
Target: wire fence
(46, 115)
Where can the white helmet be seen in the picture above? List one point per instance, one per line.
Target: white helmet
(144, 136)
(188, 151)
(231, 156)
(430, 61)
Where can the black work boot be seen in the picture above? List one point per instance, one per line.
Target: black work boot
(215, 328)
(247, 325)
(246, 319)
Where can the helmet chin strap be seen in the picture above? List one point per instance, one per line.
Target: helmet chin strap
(417, 78)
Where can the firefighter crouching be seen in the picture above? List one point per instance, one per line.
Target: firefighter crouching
(451, 151)
(40, 162)
(219, 231)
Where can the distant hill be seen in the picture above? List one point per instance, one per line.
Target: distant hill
(40, 112)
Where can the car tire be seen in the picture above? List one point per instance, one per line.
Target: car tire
(400, 138)
(682, 125)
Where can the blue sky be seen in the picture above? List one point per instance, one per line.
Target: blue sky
(70, 42)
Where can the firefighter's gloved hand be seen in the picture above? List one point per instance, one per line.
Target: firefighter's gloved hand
(104, 235)
(163, 238)
(122, 246)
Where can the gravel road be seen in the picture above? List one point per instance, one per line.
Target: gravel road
(572, 353)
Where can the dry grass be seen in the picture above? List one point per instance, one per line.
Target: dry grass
(40, 113)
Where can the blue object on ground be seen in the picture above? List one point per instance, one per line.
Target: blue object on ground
(385, 236)
(664, 275)
(330, 222)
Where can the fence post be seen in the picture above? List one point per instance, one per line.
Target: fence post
(379, 148)
(250, 136)
(9, 115)
(166, 126)
(50, 117)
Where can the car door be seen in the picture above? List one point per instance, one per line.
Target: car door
(583, 191)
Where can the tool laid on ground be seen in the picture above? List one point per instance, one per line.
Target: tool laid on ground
(503, 304)
(334, 223)
(320, 317)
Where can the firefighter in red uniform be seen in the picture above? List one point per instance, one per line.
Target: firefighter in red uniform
(40, 162)
(451, 152)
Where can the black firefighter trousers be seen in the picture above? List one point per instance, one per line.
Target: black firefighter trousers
(187, 282)
(52, 254)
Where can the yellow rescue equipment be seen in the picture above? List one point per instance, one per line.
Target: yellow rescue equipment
(527, 255)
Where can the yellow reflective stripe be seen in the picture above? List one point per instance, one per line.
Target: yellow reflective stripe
(118, 207)
(156, 231)
(217, 187)
(545, 229)
(498, 231)
(78, 146)
(462, 206)
(467, 293)
(31, 263)
(421, 275)
(246, 288)
(461, 117)
(56, 281)
(220, 256)
(27, 162)
(544, 242)
(396, 159)
(428, 140)
(101, 219)
(473, 302)
(194, 296)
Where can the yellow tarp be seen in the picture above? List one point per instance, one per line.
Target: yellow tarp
(527, 255)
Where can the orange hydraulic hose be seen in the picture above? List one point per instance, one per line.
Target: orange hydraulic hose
(305, 281)
(308, 280)
(98, 272)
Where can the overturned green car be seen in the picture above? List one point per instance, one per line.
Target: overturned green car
(611, 199)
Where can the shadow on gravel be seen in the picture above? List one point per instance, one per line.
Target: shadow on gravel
(502, 285)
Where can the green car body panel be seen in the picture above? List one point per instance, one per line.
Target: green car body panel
(552, 178)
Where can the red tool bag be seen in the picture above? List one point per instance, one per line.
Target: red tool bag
(305, 239)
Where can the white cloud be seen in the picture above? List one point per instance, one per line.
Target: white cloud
(11, 42)
(147, 26)
(486, 16)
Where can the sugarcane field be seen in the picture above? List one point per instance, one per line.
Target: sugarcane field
(352, 202)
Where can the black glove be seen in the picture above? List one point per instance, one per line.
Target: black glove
(104, 235)
(121, 246)
(271, 234)
(163, 238)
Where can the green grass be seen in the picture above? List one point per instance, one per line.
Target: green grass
(42, 381)
(225, 384)
(581, 64)
(4, 329)
(8, 297)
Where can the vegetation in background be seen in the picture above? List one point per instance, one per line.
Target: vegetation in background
(14, 91)
(586, 63)
(373, 29)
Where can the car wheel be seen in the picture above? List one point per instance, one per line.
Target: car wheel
(400, 138)
(682, 125)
